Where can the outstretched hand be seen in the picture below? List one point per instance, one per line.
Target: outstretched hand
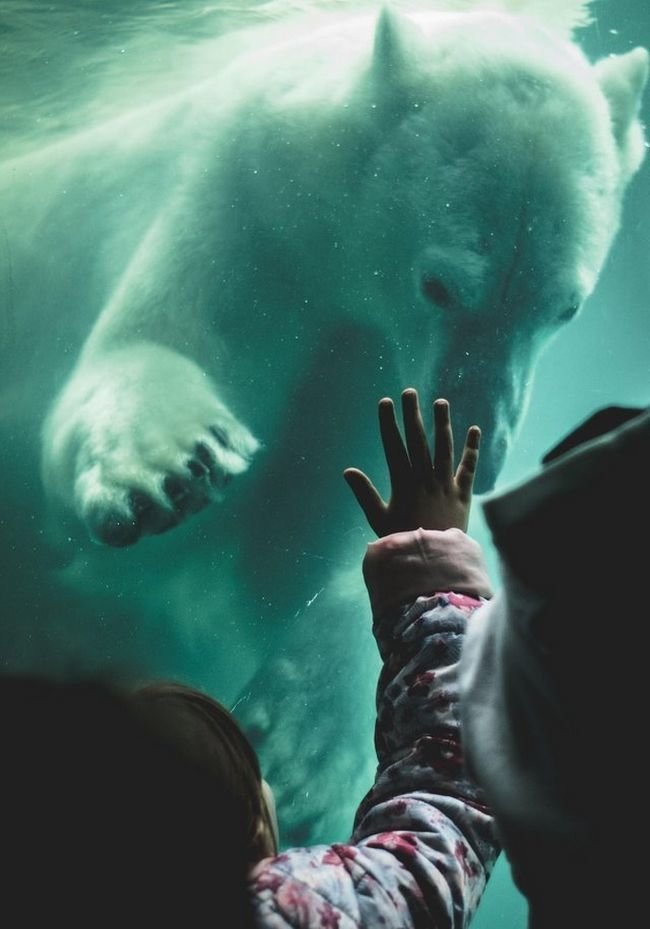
(424, 492)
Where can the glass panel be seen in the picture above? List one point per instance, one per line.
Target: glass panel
(371, 230)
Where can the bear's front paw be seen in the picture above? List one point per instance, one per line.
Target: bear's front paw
(138, 441)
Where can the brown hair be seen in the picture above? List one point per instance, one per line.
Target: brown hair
(116, 802)
(208, 733)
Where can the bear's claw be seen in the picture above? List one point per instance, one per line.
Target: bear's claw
(143, 458)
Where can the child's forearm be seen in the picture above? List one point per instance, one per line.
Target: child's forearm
(424, 586)
(423, 806)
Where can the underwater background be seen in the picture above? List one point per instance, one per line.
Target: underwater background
(67, 65)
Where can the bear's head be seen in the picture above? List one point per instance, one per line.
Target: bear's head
(491, 191)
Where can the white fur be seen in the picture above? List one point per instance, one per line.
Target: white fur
(352, 205)
(398, 131)
(562, 16)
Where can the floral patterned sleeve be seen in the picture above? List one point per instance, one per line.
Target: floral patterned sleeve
(423, 844)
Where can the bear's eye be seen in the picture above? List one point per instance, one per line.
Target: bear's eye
(569, 313)
(435, 291)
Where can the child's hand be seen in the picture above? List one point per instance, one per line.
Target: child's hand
(424, 493)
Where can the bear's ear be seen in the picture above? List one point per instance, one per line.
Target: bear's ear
(622, 79)
(396, 38)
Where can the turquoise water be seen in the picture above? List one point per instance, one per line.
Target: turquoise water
(66, 70)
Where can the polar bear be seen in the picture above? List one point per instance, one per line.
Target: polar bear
(369, 192)
(360, 202)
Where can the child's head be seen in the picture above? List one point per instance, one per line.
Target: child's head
(148, 802)
(210, 736)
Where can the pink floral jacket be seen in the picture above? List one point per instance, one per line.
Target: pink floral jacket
(423, 844)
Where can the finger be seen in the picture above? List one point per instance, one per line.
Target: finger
(397, 459)
(416, 440)
(443, 455)
(367, 497)
(466, 471)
